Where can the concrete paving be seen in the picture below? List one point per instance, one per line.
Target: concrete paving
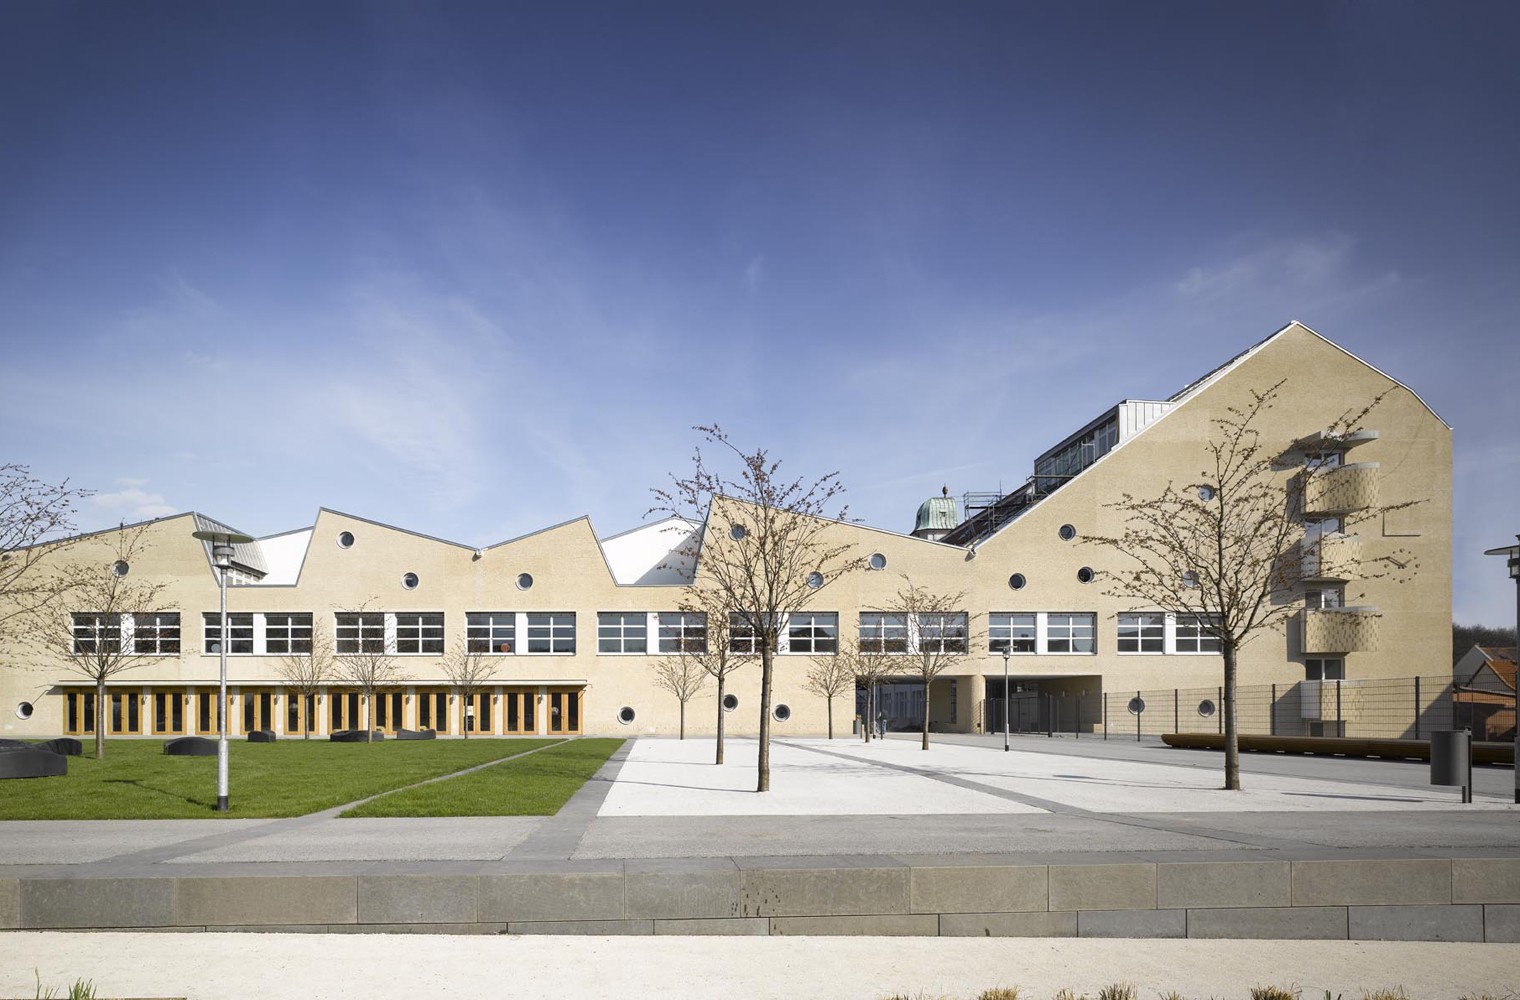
(388, 967)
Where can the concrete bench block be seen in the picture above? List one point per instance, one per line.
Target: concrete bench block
(1501, 923)
(725, 926)
(1218, 884)
(861, 925)
(595, 927)
(1059, 924)
(1416, 923)
(1371, 883)
(780, 892)
(555, 896)
(677, 895)
(10, 904)
(97, 902)
(455, 929)
(1282, 923)
(1485, 880)
(315, 899)
(418, 899)
(979, 889)
(1132, 923)
(1103, 887)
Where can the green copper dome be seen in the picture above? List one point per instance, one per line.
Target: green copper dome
(937, 514)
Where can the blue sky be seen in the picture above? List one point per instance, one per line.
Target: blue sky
(476, 268)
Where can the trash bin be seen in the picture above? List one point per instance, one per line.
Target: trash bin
(1450, 757)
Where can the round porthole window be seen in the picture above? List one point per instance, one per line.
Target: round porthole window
(1136, 705)
(1190, 579)
(736, 532)
(1068, 532)
(877, 561)
(730, 702)
(1206, 708)
(1017, 581)
(1085, 575)
(626, 715)
(410, 581)
(24, 710)
(782, 712)
(120, 568)
(815, 580)
(1205, 493)
(524, 581)
(345, 539)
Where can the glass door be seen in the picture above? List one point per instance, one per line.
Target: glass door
(564, 711)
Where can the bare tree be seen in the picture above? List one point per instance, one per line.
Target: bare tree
(1229, 549)
(765, 549)
(870, 661)
(683, 676)
(829, 678)
(470, 671)
(709, 643)
(103, 621)
(365, 660)
(33, 516)
(939, 634)
(308, 666)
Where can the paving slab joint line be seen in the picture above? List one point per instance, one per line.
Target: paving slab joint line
(574, 817)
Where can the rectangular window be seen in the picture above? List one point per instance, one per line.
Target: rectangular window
(156, 633)
(551, 632)
(1320, 527)
(1142, 633)
(813, 632)
(683, 632)
(1325, 598)
(419, 632)
(360, 632)
(491, 632)
(239, 633)
(622, 632)
(1327, 460)
(1013, 632)
(287, 633)
(96, 632)
(742, 637)
(1325, 670)
(942, 632)
(1193, 635)
(883, 633)
(1070, 633)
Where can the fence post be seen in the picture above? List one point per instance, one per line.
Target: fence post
(1105, 715)
(1137, 720)
(1076, 729)
(1272, 725)
(1340, 727)
(1176, 711)
(1417, 706)
(1050, 716)
(1219, 694)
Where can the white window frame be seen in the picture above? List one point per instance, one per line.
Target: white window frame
(1146, 626)
(555, 630)
(403, 624)
(159, 628)
(741, 638)
(817, 630)
(1321, 663)
(1329, 598)
(211, 632)
(885, 632)
(681, 631)
(295, 631)
(1007, 627)
(365, 623)
(938, 623)
(1193, 622)
(486, 631)
(622, 630)
(98, 626)
(1048, 624)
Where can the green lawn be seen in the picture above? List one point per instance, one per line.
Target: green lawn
(536, 785)
(292, 777)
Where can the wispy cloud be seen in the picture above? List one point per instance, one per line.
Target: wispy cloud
(132, 503)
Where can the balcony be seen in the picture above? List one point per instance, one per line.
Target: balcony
(1330, 558)
(1340, 490)
(1340, 630)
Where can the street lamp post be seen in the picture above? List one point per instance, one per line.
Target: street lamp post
(1513, 554)
(221, 557)
(1007, 700)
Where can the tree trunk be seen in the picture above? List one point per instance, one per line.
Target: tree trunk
(867, 713)
(721, 678)
(928, 682)
(763, 784)
(100, 718)
(831, 716)
(368, 715)
(683, 718)
(1231, 733)
(465, 720)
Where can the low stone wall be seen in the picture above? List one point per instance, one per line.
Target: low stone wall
(1420, 899)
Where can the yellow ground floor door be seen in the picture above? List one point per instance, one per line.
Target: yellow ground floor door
(258, 709)
(168, 713)
(564, 711)
(475, 714)
(207, 721)
(79, 712)
(343, 711)
(300, 712)
(387, 710)
(433, 710)
(518, 711)
(125, 709)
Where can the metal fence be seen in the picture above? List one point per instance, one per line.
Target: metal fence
(1389, 708)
